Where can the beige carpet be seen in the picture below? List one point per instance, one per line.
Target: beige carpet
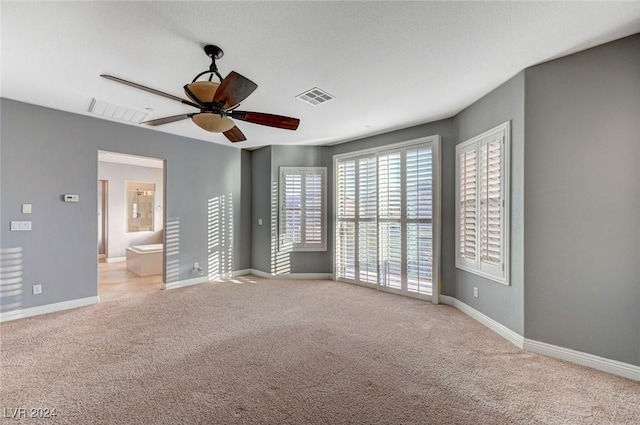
(256, 351)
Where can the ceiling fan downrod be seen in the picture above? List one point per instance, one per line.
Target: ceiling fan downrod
(214, 52)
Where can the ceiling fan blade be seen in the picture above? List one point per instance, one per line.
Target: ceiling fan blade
(235, 135)
(167, 120)
(149, 89)
(270, 120)
(234, 89)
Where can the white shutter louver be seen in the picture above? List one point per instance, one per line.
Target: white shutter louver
(490, 203)
(419, 258)
(389, 185)
(419, 176)
(467, 205)
(368, 251)
(346, 250)
(367, 188)
(390, 249)
(313, 209)
(292, 208)
(419, 211)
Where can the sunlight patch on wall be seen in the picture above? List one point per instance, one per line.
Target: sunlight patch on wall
(220, 237)
(172, 250)
(280, 251)
(11, 278)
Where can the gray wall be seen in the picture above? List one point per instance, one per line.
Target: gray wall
(582, 209)
(304, 156)
(261, 192)
(243, 260)
(118, 239)
(46, 153)
(265, 163)
(500, 302)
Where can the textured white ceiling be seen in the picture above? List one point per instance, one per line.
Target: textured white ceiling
(390, 65)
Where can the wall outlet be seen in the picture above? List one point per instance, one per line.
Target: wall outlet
(475, 292)
(259, 222)
(196, 265)
(37, 289)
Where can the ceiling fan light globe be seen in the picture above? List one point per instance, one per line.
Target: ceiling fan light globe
(213, 122)
(202, 90)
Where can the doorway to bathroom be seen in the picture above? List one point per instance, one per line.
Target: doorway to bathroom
(130, 225)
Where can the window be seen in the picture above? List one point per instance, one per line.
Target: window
(303, 219)
(386, 218)
(482, 204)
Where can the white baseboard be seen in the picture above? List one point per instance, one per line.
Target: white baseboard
(116, 259)
(513, 337)
(49, 308)
(300, 276)
(187, 282)
(242, 272)
(584, 359)
(260, 273)
(578, 357)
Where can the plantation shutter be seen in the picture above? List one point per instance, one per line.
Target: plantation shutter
(389, 219)
(389, 185)
(302, 208)
(367, 224)
(385, 218)
(345, 221)
(491, 197)
(419, 214)
(482, 204)
(292, 208)
(346, 189)
(419, 181)
(467, 187)
(313, 209)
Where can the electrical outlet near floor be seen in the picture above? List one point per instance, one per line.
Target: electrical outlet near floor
(37, 289)
(475, 291)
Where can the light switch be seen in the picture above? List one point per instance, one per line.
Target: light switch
(20, 226)
(259, 222)
(70, 197)
(26, 208)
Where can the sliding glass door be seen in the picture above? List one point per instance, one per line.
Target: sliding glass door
(386, 204)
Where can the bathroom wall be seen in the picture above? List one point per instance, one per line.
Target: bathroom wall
(118, 239)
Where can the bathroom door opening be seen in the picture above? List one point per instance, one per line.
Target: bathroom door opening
(131, 219)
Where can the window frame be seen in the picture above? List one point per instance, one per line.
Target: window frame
(500, 274)
(302, 246)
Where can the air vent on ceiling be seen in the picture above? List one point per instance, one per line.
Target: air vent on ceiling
(315, 96)
(110, 110)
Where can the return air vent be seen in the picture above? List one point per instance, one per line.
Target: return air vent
(110, 110)
(315, 96)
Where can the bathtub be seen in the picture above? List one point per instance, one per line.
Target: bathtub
(145, 260)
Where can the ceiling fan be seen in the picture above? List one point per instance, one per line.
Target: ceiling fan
(217, 102)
